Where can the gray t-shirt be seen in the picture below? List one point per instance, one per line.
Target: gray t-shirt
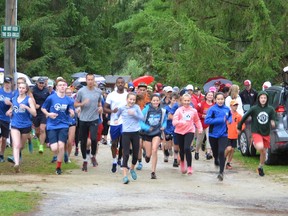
(89, 112)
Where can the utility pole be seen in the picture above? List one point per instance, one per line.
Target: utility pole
(10, 43)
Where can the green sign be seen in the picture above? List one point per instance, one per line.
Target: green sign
(10, 31)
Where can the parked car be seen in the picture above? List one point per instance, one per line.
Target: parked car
(278, 153)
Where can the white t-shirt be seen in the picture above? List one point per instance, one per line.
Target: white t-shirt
(116, 100)
(239, 101)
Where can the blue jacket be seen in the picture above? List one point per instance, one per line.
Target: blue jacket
(216, 118)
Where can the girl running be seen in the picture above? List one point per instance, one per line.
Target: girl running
(217, 117)
(184, 120)
(131, 116)
(21, 110)
(155, 121)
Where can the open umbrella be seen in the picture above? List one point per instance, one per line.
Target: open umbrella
(79, 74)
(143, 79)
(220, 80)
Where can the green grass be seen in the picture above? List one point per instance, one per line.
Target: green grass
(13, 202)
(34, 163)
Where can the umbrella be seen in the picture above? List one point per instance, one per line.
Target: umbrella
(79, 74)
(143, 79)
(211, 82)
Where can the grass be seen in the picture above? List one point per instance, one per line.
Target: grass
(13, 202)
(34, 163)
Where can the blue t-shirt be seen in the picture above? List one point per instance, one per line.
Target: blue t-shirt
(21, 118)
(169, 128)
(3, 107)
(61, 106)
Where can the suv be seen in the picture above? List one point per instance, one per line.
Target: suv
(278, 152)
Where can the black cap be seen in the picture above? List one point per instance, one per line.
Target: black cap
(142, 85)
(7, 79)
(41, 79)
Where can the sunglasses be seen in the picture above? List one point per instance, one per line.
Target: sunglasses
(41, 82)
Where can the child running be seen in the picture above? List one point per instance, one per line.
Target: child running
(21, 110)
(155, 121)
(262, 116)
(217, 117)
(184, 120)
(131, 116)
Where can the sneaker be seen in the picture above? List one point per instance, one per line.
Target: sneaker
(139, 166)
(196, 155)
(228, 166)
(209, 156)
(153, 175)
(189, 170)
(54, 159)
(41, 149)
(84, 167)
(114, 167)
(2, 160)
(30, 147)
(10, 159)
(94, 161)
(133, 174)
(58, 171)
(166, 152)
(119, 163)
(76, 151)
(125, 180)
(166, 159)
(17, 168)
(175, 163)
(66, 158)
(220, 176)
(182, 167)
(261, 171)
(192, 148)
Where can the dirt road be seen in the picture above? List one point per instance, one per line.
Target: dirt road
(99, 192)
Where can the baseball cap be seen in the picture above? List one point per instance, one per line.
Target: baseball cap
(130, 85)
(150, 88)
(142, 85)
(7, 79)
(212, 89)
(247, 82)
(168, 89)
(233, 102)
(175, 89)
(41, 79)
(197, 88)
(50, 84)
(189, 87)
(266, 85)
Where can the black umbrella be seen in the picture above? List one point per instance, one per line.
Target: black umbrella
(79, 74)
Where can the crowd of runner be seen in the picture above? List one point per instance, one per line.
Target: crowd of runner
(141, 120)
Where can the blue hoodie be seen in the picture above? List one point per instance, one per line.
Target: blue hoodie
(216, 119)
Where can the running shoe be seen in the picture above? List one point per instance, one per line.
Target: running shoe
(228, 166)
(66, 157)
(139, 166)
(76, 151)
(54, 159)
(192, 148)
(196, 155)
(133, 174)
(84, 167)
(166, 152)
(58, 171)
(30, 147)
(114, 167)
(2, 160)
(209, 156)
(41, 149)
(175, 163)
(10, 159)
(166, 158)
(17, 168)
(125, 180)
(93, 161)
(119, 163)
(189, 170)
(260, 171)
(153, 175)
(220, 176)
(183, 167)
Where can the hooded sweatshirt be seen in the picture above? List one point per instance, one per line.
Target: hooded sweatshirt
(261, 117)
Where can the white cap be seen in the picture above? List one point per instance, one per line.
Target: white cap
(168, 89)
(189, 87)
(266, 85)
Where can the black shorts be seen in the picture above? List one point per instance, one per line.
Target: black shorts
(232, 143)
(4, 129)
(150, 138)
(39, 119)
(23, 130)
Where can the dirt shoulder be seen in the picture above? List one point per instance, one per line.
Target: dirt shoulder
(100, 192)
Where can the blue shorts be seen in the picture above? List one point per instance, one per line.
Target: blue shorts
(57, 135)
(115, 131)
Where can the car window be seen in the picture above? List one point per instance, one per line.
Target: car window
(274, 98)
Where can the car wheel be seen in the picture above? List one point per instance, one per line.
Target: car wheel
(244, 143)
(271, 159)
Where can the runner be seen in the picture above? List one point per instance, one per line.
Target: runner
(113, 101)
(89, 99)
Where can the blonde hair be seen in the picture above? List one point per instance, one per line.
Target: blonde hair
(234, 91)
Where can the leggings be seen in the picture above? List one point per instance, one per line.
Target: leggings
(218, 146)
(184, 145)
(127, 138)
(86, 127)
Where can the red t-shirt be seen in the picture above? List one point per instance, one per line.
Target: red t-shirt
(202, 109)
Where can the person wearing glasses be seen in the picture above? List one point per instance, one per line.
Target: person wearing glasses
(40, 93)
